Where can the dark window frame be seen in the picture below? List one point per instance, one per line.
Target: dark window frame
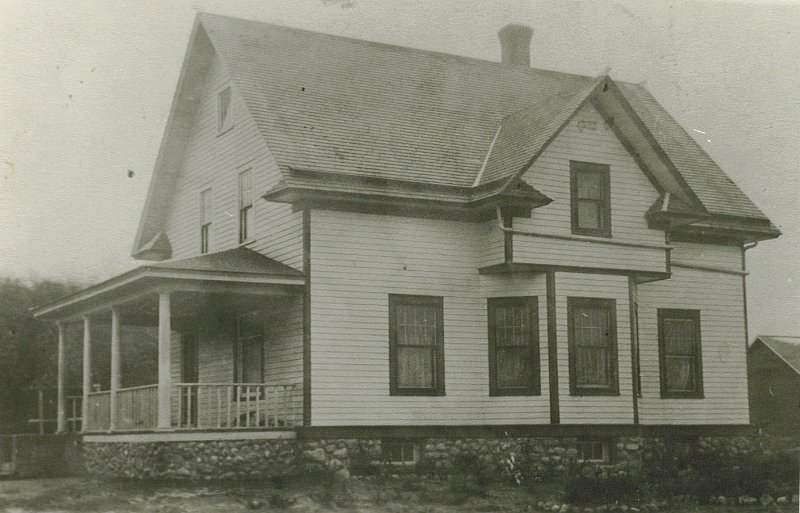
(610, 305)
(665, 314)
(604, 212)
(245, 206)
(438, 388)
(224, 103)
(403, 447)
(606, 450)
(237, 347)
(206, 215)
(532, 305)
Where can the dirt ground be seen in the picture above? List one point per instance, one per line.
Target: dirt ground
(70, 495)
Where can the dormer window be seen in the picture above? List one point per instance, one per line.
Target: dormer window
(245, 205)
(591, 199)
(224, 110)
(205, 220)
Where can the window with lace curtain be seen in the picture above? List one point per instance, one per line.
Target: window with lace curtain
(679, 353)
(416, 345)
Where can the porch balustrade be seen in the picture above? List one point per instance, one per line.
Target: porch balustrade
(99, 411)
(137, 408)
(200, 406)
(237, 405)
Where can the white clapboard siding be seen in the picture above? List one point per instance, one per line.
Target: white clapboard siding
(538, 250)
(215, 160)
(587, 138)
(708, 255)
(283, 345)
(594, 409)
(491, 242)
(357, 261)
(720, 299)
(283, 342)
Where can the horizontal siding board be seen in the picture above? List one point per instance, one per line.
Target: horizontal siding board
(357, 261)
(720, 299)
(587, 138)
(708, 255)
(594, 409)
(215, 160)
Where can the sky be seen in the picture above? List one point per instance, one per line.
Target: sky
(86, 87)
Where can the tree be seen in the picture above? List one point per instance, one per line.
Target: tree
(27, 346)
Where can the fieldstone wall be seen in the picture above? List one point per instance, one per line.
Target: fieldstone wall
(248, 459)
(541, 457)
(228, 459)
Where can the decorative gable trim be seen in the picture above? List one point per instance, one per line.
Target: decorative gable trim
(157, 248)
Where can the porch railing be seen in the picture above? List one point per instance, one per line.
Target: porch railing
(200, 406)
(137, 408)
(44, 418)
(99, 411)
(236, 405)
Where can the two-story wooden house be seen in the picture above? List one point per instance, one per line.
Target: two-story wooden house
(354, 240)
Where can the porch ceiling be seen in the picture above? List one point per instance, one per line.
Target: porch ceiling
(229, 278)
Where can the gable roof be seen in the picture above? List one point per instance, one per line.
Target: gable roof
(786, 348)
(348, 107)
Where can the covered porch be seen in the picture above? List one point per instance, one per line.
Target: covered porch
(229, 346)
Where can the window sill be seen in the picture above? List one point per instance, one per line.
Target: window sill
(677, 395)
(595, 392)
(592, 233)
(417, 392)
(513, 393)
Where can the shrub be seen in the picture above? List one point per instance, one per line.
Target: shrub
(702, 470)
(473, 474)
(587, 484)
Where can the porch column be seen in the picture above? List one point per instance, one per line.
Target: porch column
(87, 371)
(61, 418)
(115, 365)
(164, 363)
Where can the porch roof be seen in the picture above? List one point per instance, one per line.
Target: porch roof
(237, 271)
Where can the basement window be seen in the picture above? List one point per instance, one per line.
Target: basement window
(399, 452)
(594, 451)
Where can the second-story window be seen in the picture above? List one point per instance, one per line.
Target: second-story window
(590, 192)
(224, 110)
(245, 205)
(205, 220)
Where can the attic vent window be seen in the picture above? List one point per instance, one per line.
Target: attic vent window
(245, 205)
(224, 110)
(205, 220)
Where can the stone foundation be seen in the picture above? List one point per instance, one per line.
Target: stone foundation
(228, 459)
(258, 459)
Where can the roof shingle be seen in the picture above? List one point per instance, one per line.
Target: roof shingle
(341, 105)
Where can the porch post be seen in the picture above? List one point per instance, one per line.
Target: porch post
(164, 357)
(87, 371)
(61, 418)
(115, 365)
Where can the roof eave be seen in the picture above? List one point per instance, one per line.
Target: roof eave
(146, 279)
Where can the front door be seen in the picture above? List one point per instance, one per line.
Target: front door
(190, 373)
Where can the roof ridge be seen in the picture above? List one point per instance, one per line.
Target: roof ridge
(364, 42)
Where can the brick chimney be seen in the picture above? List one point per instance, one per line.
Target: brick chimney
(515, 44)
